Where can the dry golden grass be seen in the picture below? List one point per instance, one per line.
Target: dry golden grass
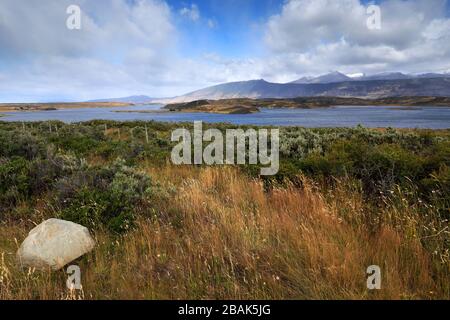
(221, 235)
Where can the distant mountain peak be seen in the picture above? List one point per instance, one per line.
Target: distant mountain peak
(336, 73)
(334, 76)
(388, 76)
(391, 73)
(335, 83)
(302, 80)
(331, 77)
(249, 81)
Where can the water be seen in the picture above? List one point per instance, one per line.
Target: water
(341, 116)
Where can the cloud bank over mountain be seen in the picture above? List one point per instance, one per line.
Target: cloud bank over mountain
(313, 35)
(167, 48)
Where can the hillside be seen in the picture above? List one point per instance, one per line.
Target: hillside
(372, 89)
(245, 105)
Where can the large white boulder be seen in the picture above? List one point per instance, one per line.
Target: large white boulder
(53, 244)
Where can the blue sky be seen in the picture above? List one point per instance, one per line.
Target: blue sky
(165, 48)
(236, 30)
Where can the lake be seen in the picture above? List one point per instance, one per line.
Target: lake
(340, 116)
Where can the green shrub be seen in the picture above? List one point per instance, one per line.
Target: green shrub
(106, 197)
(14, 181)
(20, 144)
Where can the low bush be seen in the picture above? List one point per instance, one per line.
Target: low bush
(103, 197)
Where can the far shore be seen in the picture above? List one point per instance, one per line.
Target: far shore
(245, 106)
(240, 105)
(12, 107)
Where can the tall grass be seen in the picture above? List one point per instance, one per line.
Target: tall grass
(221, 234)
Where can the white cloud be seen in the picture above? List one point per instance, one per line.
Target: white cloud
(211, 23)
(117, 43)
(33, 28)
(303, 24)
(355, 75)
(327, 35)
(125, 49)
(191, 13)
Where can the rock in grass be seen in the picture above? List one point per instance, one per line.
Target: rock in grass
(53, 244)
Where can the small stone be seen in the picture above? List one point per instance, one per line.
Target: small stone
(53, 244)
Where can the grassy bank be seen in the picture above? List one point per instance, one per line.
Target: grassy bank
(344, 199)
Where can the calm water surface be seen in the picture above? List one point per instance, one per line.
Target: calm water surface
(341, 116)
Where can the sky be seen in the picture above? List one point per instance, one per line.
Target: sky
(164, 48)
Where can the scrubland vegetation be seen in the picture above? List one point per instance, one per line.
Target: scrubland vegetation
(343, 199)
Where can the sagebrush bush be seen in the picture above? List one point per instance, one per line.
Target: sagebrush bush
(19, 144)
(103, 197)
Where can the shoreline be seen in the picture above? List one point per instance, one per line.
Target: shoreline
(230, 124)
(240, 105)
(29, 107)
(245, 106)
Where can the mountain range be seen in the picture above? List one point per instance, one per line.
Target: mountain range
(337, 76)
(335, 84)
